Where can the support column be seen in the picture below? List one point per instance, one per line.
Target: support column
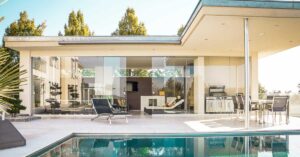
(26, 95)
(254, 76)
(199, 88)
(247, 73)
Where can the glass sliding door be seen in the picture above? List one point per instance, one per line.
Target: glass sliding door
(67, 85)
(114, 82)
(171, 84)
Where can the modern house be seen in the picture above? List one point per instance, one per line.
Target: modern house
(203, 67)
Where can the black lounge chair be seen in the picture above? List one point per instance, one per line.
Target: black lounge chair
(102, 107)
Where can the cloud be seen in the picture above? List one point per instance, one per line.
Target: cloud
(3, 2)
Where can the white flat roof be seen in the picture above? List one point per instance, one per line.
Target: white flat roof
(70, 40)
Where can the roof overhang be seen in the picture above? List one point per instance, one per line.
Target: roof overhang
(77, 40)
(214, 29)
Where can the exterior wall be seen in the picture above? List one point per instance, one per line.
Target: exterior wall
(228, 71)
(26, 95)
(199, 78)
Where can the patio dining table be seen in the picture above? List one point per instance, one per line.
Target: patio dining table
(262, 105)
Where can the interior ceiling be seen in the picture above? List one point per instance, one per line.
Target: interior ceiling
(215, 35)
(149, 62)
(138, 62)
(271, 35)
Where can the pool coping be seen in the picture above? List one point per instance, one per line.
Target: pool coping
(157, 135)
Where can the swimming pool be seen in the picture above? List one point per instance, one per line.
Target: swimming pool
(253, 144)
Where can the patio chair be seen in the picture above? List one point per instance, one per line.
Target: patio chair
(241, 106)
(280, 104)
(237, 108)
(102, 107)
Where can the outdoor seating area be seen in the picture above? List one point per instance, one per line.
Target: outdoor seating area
(265, 109)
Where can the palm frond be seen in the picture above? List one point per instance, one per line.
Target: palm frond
(10, 79)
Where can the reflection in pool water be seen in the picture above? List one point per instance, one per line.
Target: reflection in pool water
(219, 146)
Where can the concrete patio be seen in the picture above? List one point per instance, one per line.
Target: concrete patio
(40, 133)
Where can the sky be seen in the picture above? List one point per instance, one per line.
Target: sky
(281, 71)
(161, 17)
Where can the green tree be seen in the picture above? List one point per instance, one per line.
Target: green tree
(60, 33)
(180, 30)
(139, 72)
(10, 81)
(76, 25)
(130, 25)
(25, 27)
(16, 107)
(261, 91)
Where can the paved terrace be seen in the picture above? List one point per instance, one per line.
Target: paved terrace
(40, 133)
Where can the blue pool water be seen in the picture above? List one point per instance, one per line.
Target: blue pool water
(257, 145)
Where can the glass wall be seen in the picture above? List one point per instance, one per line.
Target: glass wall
(66, 85)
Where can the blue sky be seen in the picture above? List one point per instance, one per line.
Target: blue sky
(161, 17)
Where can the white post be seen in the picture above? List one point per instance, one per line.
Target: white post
(247, 73)
(26, 95)
(199, 92)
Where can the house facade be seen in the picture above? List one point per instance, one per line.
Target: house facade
(203, 68)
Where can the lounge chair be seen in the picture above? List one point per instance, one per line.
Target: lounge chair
(102, 107)
(161, 109)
